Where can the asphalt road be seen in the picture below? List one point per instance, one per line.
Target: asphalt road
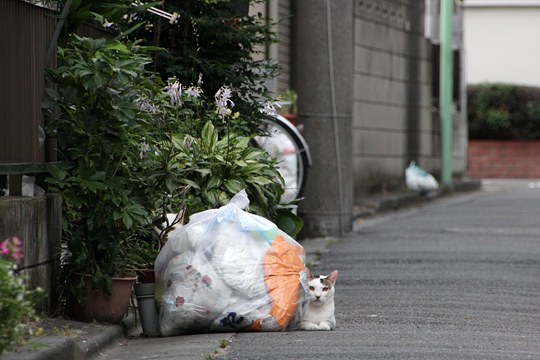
(457, 278)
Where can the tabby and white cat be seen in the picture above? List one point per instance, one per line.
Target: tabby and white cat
(319, 314)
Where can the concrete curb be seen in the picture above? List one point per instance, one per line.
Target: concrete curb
(79, 340)
(376, 204)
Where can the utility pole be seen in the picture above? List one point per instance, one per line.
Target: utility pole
(324, 81)
(445, 90)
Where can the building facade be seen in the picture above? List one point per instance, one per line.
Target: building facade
(501, 41)
(393, 82)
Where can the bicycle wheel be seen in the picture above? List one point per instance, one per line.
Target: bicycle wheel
(285, 143)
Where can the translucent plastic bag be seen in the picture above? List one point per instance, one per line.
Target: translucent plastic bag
(418, 179)
(229, 270)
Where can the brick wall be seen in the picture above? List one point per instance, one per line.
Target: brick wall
(504, 159)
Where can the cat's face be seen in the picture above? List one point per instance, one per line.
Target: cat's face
(321, 287)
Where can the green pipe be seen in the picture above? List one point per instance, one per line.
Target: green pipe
(445, 90)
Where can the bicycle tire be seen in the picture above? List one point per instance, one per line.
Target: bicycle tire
(291, 152)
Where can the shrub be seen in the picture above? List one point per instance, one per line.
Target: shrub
(132, 148)
(503, 112)
(17, 303)
(218, 39)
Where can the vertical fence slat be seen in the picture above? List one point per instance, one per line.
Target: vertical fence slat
(25, 29)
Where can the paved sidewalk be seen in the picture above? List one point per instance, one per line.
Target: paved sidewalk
(74, 340)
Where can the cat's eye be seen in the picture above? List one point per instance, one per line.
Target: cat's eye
(325, 288)
(312, 288)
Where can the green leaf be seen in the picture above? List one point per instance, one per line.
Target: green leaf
(203, 171)
(254, 168)
(259, 180)
(98, 175)
(127, 220)
(242, 141)
(93, 186)
(209, 136)
(233, 186)
(211, 197)
(214, 182)
(252, 154)
(192, 183)
(57, 172)
(289, 222)
(170, 184)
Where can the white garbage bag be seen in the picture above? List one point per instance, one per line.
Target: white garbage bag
(418, 179)
(229, 270)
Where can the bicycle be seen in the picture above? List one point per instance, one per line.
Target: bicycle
(285, 143)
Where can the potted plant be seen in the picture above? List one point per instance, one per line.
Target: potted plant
(288, 110)
(132, 148)
(97, 128)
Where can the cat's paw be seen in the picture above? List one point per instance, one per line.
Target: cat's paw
(325, 326)
(309, 326)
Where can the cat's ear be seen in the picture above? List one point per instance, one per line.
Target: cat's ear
(309, 274)
(333, 276)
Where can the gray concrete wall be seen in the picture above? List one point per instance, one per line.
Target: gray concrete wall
(393, 117)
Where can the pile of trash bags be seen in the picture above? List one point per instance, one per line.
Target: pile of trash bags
(229, 270)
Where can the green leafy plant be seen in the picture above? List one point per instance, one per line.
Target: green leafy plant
(99, 129)
(17, 302)
(133, 148)
(503, 111)
(220, 40)
(217, 169)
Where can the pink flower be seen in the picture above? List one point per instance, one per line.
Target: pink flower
(17, 255)
(11, 248)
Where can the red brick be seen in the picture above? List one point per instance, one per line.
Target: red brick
(504, 159)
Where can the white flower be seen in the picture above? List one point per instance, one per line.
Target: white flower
(270, 108)
(194, 91)
(199, 82)
(174, 90)
(222, 98)
(188, 141)
(146, 106)
(174, 18)
(144, 149)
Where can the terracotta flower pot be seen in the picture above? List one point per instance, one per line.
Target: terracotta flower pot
(293, 118)
(103, 308)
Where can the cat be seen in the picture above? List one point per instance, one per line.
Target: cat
(319, 314)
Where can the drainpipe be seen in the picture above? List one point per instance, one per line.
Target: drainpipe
(445, 91)
(57, 30)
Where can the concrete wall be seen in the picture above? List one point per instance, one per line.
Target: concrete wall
(394, 120)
